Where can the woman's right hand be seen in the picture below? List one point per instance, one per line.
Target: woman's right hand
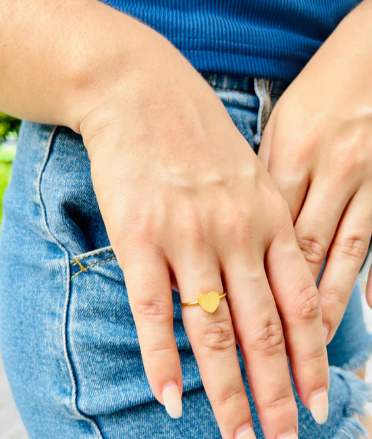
(187, 204)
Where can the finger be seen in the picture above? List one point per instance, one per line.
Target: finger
(293, 188)
(213, 342)
(259, 332)
(297, 299)
(345, 258)
(265, 147)
(369, 288)
(318, 220)
(291, 179)
(150, 295)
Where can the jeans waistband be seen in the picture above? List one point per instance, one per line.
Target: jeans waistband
(242, 83)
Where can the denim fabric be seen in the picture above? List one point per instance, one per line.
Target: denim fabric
(67, 336)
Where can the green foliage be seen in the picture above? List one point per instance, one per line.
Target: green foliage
(4, 178)
(9, 126)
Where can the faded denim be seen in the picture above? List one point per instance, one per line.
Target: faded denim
(67, 336)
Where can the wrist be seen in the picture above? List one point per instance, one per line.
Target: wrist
(124, 65)
(346, 53)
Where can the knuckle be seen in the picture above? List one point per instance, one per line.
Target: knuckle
(232, 396)
(161, 352)
(306, 304)
(267, 339)
(353, 246)
(333, 296)
(250, 173)
(217, 336)
(279, 402)
(313, 250)
(352, 145)
(236, 221)
(292, 180)
(346, 166)
(314, 357)
(300, 155)
(151, 308)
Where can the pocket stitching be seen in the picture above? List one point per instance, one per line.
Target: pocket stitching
(84, 269)
(91, 254)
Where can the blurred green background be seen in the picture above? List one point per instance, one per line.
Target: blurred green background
(9, 127)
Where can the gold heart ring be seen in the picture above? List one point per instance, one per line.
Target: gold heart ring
(209, 302)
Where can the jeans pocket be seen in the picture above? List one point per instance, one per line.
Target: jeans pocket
(101, 337)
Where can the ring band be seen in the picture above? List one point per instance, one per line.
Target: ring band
(208, 302)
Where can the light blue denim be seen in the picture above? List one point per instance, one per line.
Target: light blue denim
(67, 336)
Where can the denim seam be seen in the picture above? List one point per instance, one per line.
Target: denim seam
(92, 254)
(264, 109)
(268, 89)
(84, 269)
(270, 85)
(75, 410)
(263, 114)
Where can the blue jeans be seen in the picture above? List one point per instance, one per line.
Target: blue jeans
(67, 336)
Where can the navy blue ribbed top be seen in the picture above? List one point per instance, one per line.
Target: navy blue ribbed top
(271, 39)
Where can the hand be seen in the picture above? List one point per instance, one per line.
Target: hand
(187, 204)
(317, 147)
(182, 196)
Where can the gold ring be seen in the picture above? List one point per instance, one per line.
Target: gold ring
(209, 302)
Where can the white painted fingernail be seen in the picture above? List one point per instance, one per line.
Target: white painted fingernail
(245, 432)
(318, 403)
(289, 435)
(172, 399)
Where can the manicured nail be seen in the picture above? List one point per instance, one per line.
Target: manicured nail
(289, 435)
(245, 432)
(318, 403)
(172, 399)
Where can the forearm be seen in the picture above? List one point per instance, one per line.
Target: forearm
(348, 51)
(51, 53)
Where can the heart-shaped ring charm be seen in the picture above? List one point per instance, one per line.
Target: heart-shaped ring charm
(209, 302)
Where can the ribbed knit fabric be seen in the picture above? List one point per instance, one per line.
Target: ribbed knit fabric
(271, 39)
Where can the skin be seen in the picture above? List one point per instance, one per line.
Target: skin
(318, 147)
(141, 107)
(171, 171)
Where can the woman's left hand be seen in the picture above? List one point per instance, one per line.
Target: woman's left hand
(317, 147)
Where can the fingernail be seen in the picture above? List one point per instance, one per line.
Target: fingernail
(289, 435)
(318, 403)
(172, 399)
(245, 432)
